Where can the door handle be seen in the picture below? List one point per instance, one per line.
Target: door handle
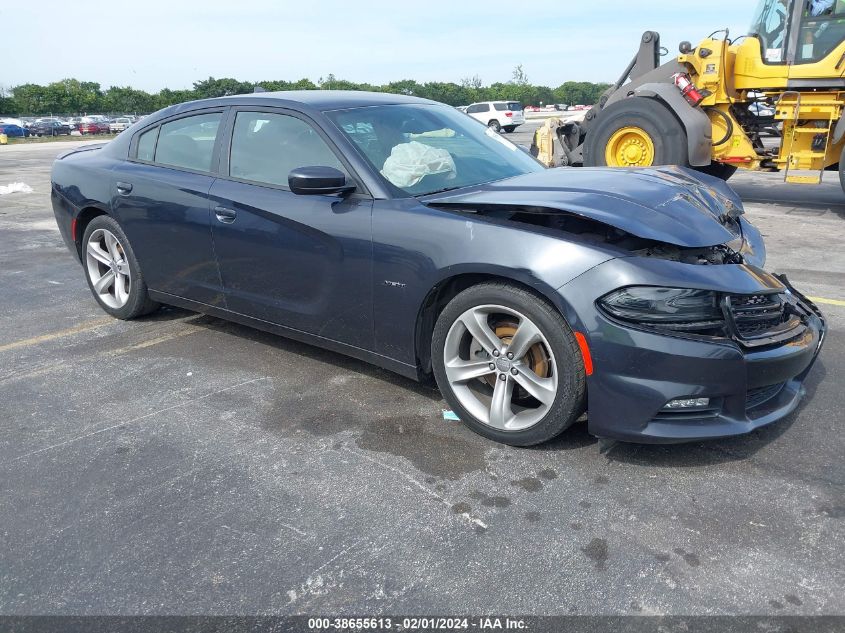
(124, 188)
(225, 215)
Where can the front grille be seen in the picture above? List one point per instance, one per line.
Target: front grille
(757, 396)
(763, 319)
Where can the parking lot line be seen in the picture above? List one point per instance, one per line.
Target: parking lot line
(85, 326)
(830, 302)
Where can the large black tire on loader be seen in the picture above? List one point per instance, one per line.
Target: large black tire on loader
(636, 132)
(720, 170)
(842, 169)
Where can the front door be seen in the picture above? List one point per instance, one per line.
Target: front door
(301, 261)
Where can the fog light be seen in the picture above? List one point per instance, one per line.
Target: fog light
(687, 403)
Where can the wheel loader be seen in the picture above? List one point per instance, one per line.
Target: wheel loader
(703, 107)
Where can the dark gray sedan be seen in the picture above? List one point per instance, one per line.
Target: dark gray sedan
(50, 127)
(400, 231)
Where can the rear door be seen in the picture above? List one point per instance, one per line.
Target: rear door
(301, 261)
(160, 197)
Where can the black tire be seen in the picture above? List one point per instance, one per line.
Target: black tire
(842, 169)
(494, 125)
(719, 170)
(650, 115)
(139, 302)
(509, 128)
(569, 401)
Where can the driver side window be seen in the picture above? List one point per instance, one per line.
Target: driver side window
(266, 147)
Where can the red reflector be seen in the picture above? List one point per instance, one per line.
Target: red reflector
(508, 113)
(73, 229)
(737, 159)
(585, 353)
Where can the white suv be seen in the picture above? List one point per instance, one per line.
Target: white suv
(498, 115)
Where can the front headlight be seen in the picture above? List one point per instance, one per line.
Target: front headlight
(682, 309)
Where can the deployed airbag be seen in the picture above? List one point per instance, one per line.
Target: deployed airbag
(409, 163)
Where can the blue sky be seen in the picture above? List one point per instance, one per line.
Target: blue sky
(155, 44)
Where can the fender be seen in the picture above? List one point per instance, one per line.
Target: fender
(696, 123)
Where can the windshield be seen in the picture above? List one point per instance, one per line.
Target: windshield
(769, 26)
(424, 149)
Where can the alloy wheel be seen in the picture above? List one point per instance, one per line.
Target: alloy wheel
(501, 368)
(108, 268)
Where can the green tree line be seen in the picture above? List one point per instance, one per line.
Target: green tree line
(74, 97)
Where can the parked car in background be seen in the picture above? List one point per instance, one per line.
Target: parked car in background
(531, 108)
(530, 294)
(765, 114)
(762, 110)
(13, 130)
(49, 127)
(118, 125)
(91, 125)
(498, 115)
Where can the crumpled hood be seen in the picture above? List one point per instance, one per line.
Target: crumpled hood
(675, 205)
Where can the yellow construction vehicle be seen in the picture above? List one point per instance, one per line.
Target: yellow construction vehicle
(703, 108)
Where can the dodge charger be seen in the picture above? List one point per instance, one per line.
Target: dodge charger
(403, 233)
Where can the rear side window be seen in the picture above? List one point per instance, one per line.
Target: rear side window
(267, 147)
(188, 142)
(516, 107)
(147, 144)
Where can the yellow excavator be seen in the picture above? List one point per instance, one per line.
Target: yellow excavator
(711, 105)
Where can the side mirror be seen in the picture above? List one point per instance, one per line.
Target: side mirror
(306, 181)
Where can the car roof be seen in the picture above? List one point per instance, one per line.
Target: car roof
(317, 99)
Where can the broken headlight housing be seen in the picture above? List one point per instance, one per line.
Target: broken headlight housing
(675, 309)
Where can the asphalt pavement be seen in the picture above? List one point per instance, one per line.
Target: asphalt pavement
(180, 464)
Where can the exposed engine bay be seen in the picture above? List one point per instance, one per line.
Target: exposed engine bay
(596, 232)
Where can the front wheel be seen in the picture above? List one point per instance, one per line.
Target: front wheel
(508, 364)
(112, 270)
(636, 132)
(494, 125)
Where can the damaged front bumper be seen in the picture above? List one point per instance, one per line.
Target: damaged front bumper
(734, 385)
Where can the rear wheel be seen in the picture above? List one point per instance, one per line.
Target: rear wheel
(112, 270)
(842, 169)
(494, 125)
(720, 170)
(508, 364)
(636, 132)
